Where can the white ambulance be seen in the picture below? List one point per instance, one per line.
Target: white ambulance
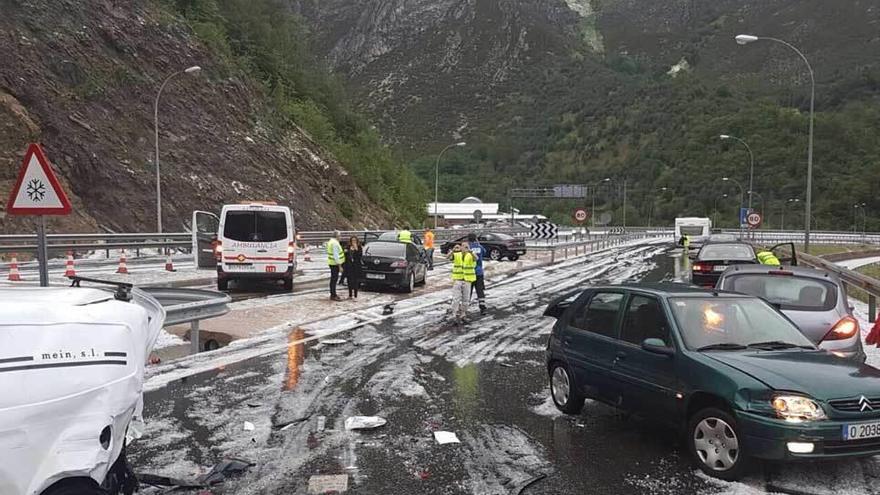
(255, 241)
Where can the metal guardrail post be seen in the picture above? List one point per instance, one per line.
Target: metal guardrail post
(194, 337)
(872, 308)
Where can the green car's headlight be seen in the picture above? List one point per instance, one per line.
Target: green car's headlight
(796, 408)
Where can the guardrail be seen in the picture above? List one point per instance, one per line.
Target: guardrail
(74, 242)
(849, 277)
(190, 306)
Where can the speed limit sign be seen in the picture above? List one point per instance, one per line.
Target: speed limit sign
(754, 220)
(580, 215)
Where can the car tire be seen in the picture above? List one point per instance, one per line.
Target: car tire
(716, 445)
(76, 486)
(411, 283)
(563, 390)
(288, 284)
(495, 254)
(513, 257)
(222, 284)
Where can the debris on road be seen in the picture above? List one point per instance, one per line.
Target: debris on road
(322, 423)
(321, 484)
(218, 474)
(248, 426)
(444, 437)
(287, 424)
(528, 483)
(363, 422)
(332, 341)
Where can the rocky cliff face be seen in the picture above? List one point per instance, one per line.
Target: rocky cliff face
(80, 76)
(433, 70)
(430, 70)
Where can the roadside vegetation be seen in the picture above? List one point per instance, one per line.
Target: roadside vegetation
(264, 41)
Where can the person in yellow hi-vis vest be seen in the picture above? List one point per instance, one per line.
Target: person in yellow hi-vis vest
(768, 258)
(464, 273)
(335, 260)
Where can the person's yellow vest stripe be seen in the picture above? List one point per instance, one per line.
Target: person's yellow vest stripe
(330, 258)
(768, 258)
(404, 236)
(464, 267)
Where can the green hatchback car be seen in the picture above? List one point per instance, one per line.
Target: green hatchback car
(728, 369)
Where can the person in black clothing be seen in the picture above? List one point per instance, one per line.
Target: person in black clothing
(353, 269)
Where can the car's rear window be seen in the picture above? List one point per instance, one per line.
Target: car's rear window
(727, 252)
(691, 230)
(385, 249)
(255, 226)
(788, 291)
(503, 237)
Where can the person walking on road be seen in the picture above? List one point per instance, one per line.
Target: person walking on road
(429, 248)
(352, 268)
(479, 284)
(873, 337)
(405, 235)
(463, 275)
(336, 260)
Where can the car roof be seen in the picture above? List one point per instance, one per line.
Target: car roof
(797, 271)
(726, 243)
(670, 289)
(390, 243)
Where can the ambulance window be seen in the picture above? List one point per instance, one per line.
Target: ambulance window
(255, 226)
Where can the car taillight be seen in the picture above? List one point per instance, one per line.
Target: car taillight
(218, 250)
(398, 264)
(291, 251)
(701, 267)
(843, 329)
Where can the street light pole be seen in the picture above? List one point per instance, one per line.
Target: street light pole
(761, 197)
(785, 208)
(715, 211)
(744, 39)
(751, 166)
(437, 178)
(741, 194)
(191, 70)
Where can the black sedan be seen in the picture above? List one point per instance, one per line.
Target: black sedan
(714, 258)
(497, 246)
(394, 264)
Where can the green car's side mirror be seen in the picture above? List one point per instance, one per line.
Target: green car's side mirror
(657, 346)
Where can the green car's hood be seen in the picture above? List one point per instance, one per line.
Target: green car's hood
(819, 374)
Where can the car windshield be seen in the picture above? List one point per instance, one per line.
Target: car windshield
(788, 291)
(385, 249)
(727, 252)
(255, 226)
(732, 321)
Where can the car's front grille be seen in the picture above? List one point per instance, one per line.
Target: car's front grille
(857, 405)
(864, 446)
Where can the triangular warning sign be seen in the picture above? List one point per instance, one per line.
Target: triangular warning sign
(37, 191)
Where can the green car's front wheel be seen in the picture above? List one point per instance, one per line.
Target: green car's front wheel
(716, 445)
(564, 391)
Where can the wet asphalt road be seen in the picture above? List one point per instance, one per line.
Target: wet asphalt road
(486, 382)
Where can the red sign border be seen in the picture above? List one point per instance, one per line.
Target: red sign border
(65, 209)
(578, 210)
(761, 222)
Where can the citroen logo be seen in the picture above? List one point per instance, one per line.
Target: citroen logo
(376, 262)
(865, 404)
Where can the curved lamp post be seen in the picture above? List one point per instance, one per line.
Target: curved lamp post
(437, 178)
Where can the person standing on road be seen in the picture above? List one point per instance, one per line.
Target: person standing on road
(479, 284)
(463, 275)
(405, 235)
(767, 258)
(335, 259)
(352, 268)
(429, 248)
(873, 337)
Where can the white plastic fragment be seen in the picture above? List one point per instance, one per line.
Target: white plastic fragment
(336, 483)
(363, 422)
(248, 426)
(444, 437)
(333, 341)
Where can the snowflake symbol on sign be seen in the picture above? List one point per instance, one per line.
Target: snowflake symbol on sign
(36, 190)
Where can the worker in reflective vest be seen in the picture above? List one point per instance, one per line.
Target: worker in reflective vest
(464, 273)
(768, 258)
(480, 284)
(429, 248)
(335, 260)
(404, 236)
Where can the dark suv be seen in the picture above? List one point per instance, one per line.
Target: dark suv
(729, 369)
(498, 246)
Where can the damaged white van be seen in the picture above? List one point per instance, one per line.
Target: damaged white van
(72, 372)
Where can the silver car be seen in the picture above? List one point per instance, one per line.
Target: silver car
(814, 300)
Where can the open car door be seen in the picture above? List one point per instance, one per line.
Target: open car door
(785, 253)
(205, 226)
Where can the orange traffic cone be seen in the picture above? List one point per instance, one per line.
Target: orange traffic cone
(70, 270)
(169, 264)
(13, 270)
(122, 266)
(307, 257)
